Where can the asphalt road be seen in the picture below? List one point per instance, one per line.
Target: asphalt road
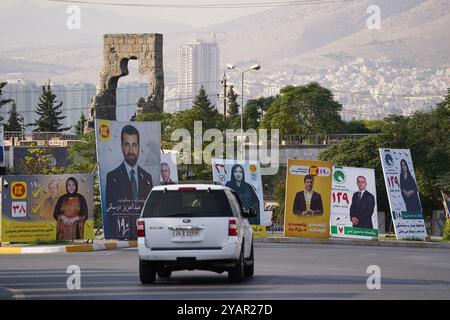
(282, 271)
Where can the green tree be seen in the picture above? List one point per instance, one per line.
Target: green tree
(254, 109)
(80, 125)
(309, 108)
(202, 102)
(15, 121)
(3, 101)
(48, 112)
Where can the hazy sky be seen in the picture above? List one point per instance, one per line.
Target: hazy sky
(194, 17)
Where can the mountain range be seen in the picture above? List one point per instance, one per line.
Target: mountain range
(286, 38)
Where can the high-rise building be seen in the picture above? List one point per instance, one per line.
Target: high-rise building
(198, 65)
(26, 96)
(76, 101)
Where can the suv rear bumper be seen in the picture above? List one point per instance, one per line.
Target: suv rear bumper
(230, 252)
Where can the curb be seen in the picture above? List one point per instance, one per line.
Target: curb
(352, 242)
(69, 248)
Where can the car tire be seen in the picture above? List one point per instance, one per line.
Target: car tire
(236, 274)
(147, 271)
(164, 274)
(249, 267)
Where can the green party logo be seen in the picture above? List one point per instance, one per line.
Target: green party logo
(339, 175)
(388, 160)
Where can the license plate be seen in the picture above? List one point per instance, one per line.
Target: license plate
(186, 233)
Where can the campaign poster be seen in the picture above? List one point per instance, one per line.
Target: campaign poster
(47, 207)
(129, 160)
(403, 195)
(446, 203)
(244, 177)
(2, 147)
(308, 197)
(169, 171)
(354, 212)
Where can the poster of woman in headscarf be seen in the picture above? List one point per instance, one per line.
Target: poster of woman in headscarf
(244, 177)
(403, 194)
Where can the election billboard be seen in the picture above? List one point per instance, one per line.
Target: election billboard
(308, 197)
(169, 171)
(354, 203)
(244, 177)
(47, 207)
(403, 194)
(129, 160)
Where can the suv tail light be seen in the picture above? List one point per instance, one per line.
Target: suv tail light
(232, 228)
(141, 229)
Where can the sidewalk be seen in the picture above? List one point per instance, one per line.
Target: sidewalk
(76, 246)
(278, 237)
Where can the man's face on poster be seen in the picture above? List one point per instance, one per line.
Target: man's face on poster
(309, 184)
(130, 148)
(361, 182)
(165, 173)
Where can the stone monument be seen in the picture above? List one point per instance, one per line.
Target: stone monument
(118, 49)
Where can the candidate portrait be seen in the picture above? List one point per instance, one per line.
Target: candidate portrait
(128, 181)
(308, 202)
(363, 204)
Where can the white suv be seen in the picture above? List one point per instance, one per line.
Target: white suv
(195, 226)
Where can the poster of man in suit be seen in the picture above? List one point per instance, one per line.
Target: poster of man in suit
(308, 194)
(353, 203)
(128, 154)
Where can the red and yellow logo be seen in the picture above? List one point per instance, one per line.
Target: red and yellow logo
(252, 168)
(313, 170)
(18, 190)
(103, 130)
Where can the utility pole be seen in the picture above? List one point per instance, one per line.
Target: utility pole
(224, 83)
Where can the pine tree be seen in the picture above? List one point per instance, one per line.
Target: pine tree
(201, 101)
(3, 101)
(15, 121)
(48, 111)
(79, 127)
(233, 106)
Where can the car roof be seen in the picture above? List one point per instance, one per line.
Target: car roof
(173, 187)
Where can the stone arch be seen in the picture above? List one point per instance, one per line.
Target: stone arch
(118, 49)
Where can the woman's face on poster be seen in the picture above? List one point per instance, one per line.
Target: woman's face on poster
(71, 186)
(403, 167)
(238, 174)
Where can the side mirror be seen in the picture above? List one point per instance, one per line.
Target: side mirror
(249, 212)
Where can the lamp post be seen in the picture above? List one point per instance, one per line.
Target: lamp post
(233, 67)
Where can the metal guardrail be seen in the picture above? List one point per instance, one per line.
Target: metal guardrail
(35, 136)
(320, 139)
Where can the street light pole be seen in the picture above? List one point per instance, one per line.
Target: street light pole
(253, 67)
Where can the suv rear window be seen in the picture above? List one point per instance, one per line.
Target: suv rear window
(187, 203)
